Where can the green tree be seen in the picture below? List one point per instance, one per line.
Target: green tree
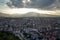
(6, 35)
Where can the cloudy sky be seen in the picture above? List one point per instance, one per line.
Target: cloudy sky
(45, 4)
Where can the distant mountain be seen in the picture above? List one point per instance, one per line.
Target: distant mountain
(31, 14)
(4, 15)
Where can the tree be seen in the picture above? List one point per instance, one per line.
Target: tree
(6, 35)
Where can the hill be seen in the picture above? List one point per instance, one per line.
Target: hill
(30, 14)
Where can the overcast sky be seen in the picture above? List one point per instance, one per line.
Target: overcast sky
(46, 4)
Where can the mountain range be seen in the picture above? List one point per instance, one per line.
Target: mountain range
(31, 14)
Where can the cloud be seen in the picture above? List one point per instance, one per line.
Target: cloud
(32, 3)
(3, 4)
(44, 4)
(16, 3)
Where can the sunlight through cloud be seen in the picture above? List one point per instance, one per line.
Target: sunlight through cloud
(26, 10)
